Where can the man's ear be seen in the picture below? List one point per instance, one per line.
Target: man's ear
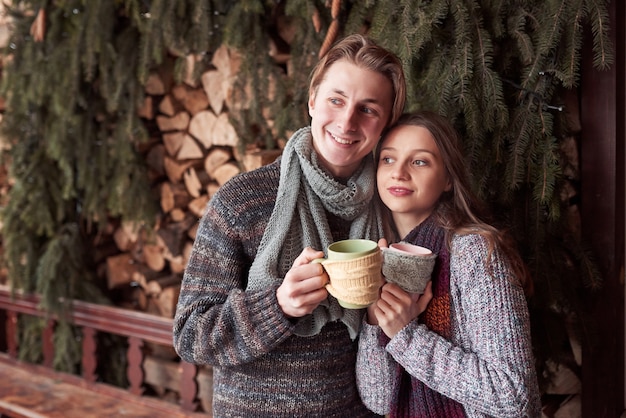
(311, 102)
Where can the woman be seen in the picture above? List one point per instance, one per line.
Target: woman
(251, 303)
(467, 351)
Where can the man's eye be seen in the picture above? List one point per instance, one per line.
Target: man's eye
(369, 110)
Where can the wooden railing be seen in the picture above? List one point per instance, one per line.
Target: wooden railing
(139, 328)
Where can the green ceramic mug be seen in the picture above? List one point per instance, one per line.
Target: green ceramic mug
(354, 268)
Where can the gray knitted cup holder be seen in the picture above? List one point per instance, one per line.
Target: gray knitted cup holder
(409, 271)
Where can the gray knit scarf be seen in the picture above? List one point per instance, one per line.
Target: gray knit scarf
(305, 193)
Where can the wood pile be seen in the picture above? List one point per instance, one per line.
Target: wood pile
(194, 152)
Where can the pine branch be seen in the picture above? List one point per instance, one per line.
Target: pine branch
(517, 27)
(602, 46)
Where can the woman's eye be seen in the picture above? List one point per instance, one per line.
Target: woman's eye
(335, 101)
(419, 162)
(386, 160)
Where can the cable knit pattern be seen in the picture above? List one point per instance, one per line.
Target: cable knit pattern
(486, 364)
(261, 368)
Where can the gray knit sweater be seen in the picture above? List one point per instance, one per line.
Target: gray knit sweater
(487, 366)
(261, 369)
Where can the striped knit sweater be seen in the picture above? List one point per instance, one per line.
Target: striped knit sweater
(260, 368)
(486, 364)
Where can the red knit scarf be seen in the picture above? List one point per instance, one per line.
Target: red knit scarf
(414, 398)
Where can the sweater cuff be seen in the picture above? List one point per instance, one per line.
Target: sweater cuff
(374, 333)
(402, 340)
(271, 323)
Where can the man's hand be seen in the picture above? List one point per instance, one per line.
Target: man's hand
(304, 285)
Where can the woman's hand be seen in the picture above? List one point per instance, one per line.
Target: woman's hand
(304, 285)
(396, 308)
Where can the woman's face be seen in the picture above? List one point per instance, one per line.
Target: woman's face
(348, 111)
(411, 174)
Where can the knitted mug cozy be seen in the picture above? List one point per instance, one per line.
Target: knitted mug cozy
(411, 272)
(355, 282)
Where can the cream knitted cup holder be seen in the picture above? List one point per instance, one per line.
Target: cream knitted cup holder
(354, 282)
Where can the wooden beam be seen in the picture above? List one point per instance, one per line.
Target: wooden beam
(602, 176)
(103, 318)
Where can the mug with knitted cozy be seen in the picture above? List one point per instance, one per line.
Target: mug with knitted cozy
(354, 268)
(409, 266)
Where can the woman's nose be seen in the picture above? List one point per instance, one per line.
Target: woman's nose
(399, 173)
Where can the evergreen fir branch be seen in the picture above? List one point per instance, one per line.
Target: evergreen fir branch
(517, 27)
(461, 76)
(383, 23)
(588, 266)
(496, 12)
(61, 270)
(546, 38)
(122, 81)
(30, 338)
(568, 65)
(151, 41)
(546, 172)
(67, 348)
(291, 109)
(21, 253)
(425, 80)
(519, 143)
(359, 13)
(36, 198)
(99, 21)
(463, 69)
(473, 129)
(245, 13)
(463, 21)
(172, 17)
(418, 23)
(134, 11)
(58, 149)
(494, 109)
(92, 161)
(602, 45)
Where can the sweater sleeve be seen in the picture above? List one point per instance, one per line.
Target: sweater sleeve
(489, 366)
(375, 369)
(217, 322)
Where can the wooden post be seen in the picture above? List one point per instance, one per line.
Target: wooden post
(602, 174)
(89, 361)
(135, 372)
(12, 333)
(188, 381)
(48, 343)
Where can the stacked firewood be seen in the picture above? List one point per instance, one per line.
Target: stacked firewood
(194, 153)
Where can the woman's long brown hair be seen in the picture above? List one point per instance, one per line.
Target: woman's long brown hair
(460, 211)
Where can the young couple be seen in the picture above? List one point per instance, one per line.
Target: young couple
(253, 306)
